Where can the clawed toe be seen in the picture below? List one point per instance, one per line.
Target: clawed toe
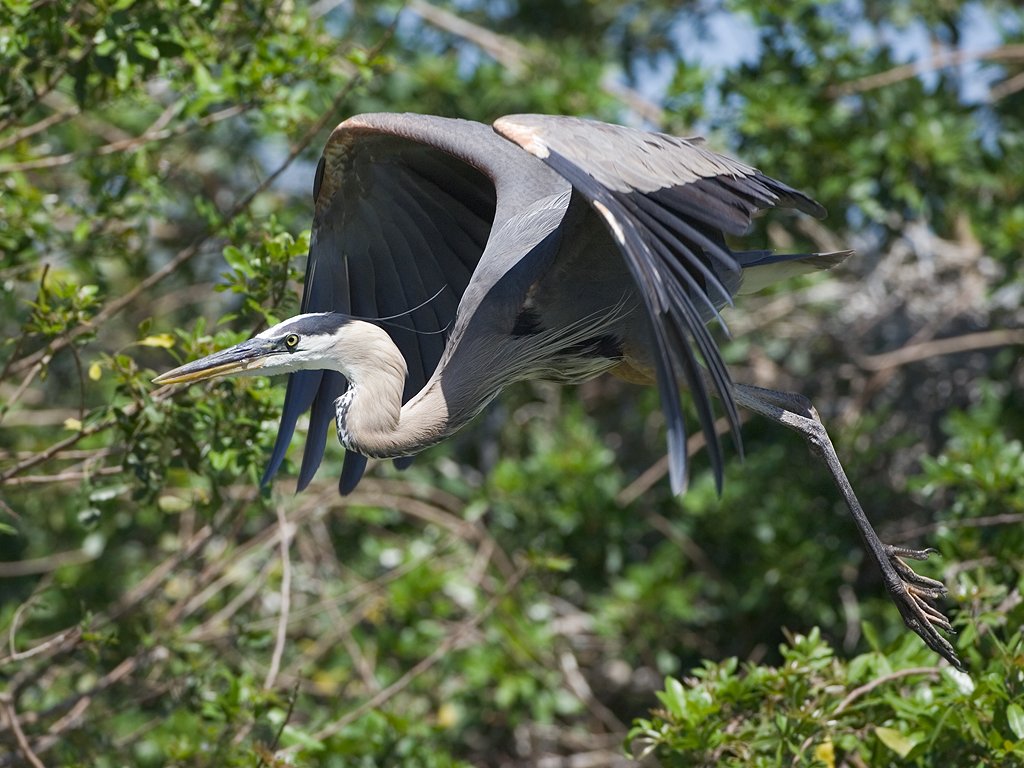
(908, 574)
(912, 593)
(934, 616)
(913, 554)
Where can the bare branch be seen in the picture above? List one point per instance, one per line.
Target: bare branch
(968, 342)
(577, 683)
(941, 60)
(659, 469)
(286, 533)
(69, 476)
(38, 127)
(516, 57)
(899, 674)
(442, 649)
(34, 566)
(987, 521)
(115, 306)
(510, 53)
(156, 132)
(7, 703)
(1007, 87)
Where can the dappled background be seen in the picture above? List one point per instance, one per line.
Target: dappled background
(529, 593)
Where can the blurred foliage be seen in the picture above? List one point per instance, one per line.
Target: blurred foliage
(530, 592)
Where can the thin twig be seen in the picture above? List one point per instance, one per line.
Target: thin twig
(508, 52)
(320, 539)
(63, 477)
(77, 704)
(155, 578)
(941, 60)
(284, 722)
(856, 693)
(570, 667)
(7, 702)
(30, 567)
(516, 57)
(422, 666)
(287, 531)
(968, 342)
(989, 521)
(221, 617)
(156, 132)
(659, 469)
(38, 127)
(48, 453)
(115, 306)
(57, 448)
(1007, 87)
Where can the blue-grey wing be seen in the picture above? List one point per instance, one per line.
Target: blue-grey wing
(668, 202)
(405, 207)
(398, 229)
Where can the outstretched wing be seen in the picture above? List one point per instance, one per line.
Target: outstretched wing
(398, 228)
(404, 207)
(668, 202)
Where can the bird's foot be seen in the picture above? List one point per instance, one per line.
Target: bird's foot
(913, 595)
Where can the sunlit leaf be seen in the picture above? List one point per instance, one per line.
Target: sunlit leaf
(1015, 718)
(163, 340)
(897, 741)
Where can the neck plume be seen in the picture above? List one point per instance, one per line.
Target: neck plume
(370, 416)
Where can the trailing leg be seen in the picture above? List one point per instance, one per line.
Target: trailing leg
(912, 593)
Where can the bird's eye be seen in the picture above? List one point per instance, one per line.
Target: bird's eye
(291, 340)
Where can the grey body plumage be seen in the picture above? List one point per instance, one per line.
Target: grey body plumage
(541, 247)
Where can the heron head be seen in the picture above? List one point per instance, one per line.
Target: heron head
(312, 341)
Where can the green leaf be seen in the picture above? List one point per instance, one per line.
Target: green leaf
(162, 340)
(147, 50)
(1015, 718)
(673, 697)
(898, 742)
(292, 735)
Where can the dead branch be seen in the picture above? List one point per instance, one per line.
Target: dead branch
(38, 127)
(941, 60)
(286, 531)
(988, 521)
(442, 649)
(1008, 87)
(156, 132)
(510, 53)
(968, 342)
(46, 564)
(115, 306)
(516, 57)
(659, 469)
(899, 674)
(69, 476)
(7, 704)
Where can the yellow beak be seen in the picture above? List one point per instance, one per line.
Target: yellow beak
(248, 356)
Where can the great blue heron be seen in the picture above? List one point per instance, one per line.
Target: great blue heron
(449, 259)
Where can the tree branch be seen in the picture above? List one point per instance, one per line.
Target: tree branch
(968, 342)
(941, 60)
(115, 306)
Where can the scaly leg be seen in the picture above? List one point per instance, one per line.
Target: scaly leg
(911, 592)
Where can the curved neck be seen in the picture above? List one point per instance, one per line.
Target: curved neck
(370, 416)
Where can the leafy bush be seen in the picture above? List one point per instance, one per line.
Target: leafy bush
(529, 593)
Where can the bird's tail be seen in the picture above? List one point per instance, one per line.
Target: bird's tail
(762, 268)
